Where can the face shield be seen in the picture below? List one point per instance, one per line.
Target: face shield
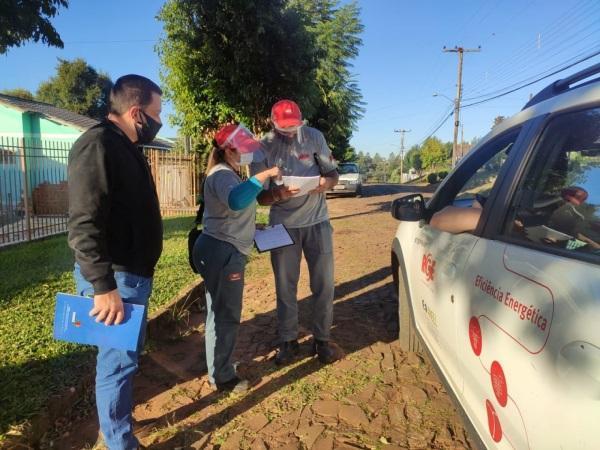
(291, 131)
(246, 144)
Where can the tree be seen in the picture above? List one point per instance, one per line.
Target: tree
(433, 153)
(19, 92)
(412, 160)
(335, 31)
(349, 155)
(77, 87)
(498, 120)
(365, 162)
(21, 21)
(232, 59)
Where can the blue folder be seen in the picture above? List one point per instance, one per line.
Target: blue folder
(72, 323)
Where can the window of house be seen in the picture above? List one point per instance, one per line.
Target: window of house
(558, 203)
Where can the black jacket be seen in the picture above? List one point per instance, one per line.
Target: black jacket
(114, 215)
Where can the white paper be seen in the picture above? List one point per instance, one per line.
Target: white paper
(305, 184)
(272, 237)
(541, 232)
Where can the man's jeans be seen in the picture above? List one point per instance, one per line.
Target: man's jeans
(115, 368)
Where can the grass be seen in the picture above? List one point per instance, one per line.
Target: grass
(33, 366)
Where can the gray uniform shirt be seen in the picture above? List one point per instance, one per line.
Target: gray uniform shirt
(297, 159)
(220, 221)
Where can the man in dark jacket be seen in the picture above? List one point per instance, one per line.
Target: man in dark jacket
(115, 230)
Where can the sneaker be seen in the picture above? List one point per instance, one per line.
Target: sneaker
(288, 350)
(326, 351)
(235, 385)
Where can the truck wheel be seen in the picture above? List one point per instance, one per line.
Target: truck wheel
(409, 341)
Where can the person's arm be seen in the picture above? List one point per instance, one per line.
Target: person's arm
(326, 182)
(327, 167)
(89, 195)
(276, 194)
(453, 219)
(245, 193)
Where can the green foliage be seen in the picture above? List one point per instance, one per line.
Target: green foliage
(77, 87)
(30, 20)
(442, 174)
(433, 153)
(335, 32)
(349, 155)
(498, 120)
(20, 93)
(231, 60)
(31, 361)
(432, 178)
(412, 160)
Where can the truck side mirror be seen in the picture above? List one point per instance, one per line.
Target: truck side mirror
(409, 208)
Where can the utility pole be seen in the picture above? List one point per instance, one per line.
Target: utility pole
(402, 132)
(462, 139)
(460, 51)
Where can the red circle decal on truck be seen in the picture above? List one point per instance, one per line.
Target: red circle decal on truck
(499, 383)
(475, 335)
(493, 422)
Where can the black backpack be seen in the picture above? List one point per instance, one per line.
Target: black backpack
(195, 233)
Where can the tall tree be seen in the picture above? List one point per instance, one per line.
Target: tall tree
(232, 59)
(433, 153)
(336, 32)
(24, 20)
(77, 87)
(19, 92)
(412, 160)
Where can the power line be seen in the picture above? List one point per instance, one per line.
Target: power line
(556, 66)
(565, 45)
(556, 31)
(596, 53)
(444, 120)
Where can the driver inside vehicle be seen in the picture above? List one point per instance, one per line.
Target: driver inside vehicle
(574, 216)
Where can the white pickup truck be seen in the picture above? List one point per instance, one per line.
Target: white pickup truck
(509, 312)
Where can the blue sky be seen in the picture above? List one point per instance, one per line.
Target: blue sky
(400, 66)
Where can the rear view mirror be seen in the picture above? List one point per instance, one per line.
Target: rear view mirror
(410, 208)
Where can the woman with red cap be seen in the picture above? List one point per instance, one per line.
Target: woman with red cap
(220, 253)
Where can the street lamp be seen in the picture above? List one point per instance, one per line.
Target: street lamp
(436, 94)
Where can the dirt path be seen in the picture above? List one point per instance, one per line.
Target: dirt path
(376, 397)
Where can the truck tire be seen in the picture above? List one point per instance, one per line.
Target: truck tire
(407, 335)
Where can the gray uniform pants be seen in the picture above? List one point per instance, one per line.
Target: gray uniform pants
(222, 267)
(316, 243)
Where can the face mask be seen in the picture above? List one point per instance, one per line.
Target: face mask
(147, 129)
(245, 158)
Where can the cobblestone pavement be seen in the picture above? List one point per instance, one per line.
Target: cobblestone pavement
(376, 397)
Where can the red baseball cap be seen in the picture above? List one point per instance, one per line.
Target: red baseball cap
(286, 114)
(238, 136)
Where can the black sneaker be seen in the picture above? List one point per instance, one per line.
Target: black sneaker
(235, 385)
(327, 352)
(288, 350)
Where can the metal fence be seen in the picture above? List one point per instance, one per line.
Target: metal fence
(34, 191)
